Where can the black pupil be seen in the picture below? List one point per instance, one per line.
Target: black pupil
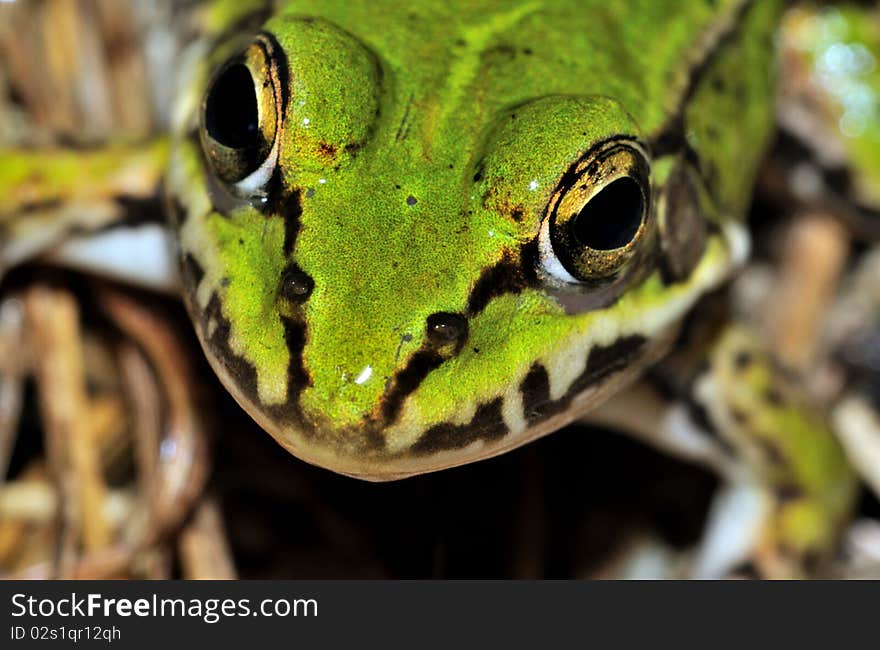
(231, 109)
(612, 217)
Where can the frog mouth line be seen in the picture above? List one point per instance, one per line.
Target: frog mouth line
(489, 424)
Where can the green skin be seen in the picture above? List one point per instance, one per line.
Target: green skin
(413, 178)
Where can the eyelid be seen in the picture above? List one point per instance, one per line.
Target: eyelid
(549, 263)
(252, 184)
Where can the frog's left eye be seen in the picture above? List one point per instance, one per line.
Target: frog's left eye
(241, 113)
(598, 217)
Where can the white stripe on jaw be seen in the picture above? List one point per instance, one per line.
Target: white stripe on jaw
(512, 410)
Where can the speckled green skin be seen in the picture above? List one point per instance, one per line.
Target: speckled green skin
(419, 150)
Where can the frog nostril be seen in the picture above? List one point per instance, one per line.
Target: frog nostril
(296, 284)
(445, 328)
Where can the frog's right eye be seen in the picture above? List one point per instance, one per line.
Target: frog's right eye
(598, 217)
(241, 114)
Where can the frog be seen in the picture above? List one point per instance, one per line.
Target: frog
(435, 348)
(411, 238)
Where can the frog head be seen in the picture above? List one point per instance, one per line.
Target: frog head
(399, 268)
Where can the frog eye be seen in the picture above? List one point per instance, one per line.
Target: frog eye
(599, 215)
(240, 116)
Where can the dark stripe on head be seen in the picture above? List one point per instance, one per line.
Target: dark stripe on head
(292, 214)
(487, 424)
(606, 360)
(407, 380)
(276, 55)
(535, 389)
(298, 377)
(245, 374)
(505, 276)
(602, 362)
(241, 371)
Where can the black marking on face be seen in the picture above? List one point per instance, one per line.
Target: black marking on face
(298, 377)
(528, 255)
(487, 424)
(242, 372)
(606, 360)
(296, 285)
(292, 215)
(602, 362)
(535, 389)
(419, 366)
(480, 170)
(444, 328)
(506, 276)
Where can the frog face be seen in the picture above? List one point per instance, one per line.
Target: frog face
(401, 258)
